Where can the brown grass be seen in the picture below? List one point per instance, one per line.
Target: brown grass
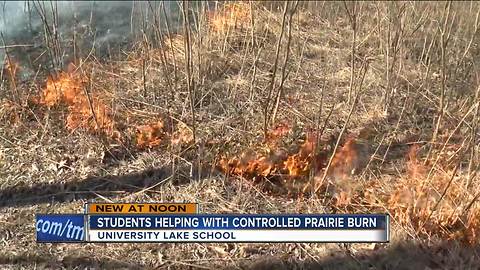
(125, 132)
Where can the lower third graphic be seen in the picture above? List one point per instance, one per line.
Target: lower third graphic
(60, 228)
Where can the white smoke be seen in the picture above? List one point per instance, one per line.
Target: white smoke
(98, 24)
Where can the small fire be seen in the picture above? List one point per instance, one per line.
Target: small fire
(276, 163)
(66, 88)
(87, 112)
(253, 165)
(349, 160)
(90, 112)
(231, 15)
(80, 115)
(150, 135)
(301, 162)
(437, 208)
(414, 167)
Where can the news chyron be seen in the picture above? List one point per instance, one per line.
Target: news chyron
(183, 222)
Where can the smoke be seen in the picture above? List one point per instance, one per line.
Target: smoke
(91, 26)
(12, 17)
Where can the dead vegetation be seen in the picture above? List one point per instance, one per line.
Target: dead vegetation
(265, 107)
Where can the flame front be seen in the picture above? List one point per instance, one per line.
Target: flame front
(87, 112)
(277, 162)
(90, 112)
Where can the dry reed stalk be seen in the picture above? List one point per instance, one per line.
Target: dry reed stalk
(285, 62)
(352, 16)
(445, 34)
(189, 64)
(11, 68)
(271, 86)
(439, 155)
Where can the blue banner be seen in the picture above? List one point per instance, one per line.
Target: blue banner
(241, 222)
(60, 228)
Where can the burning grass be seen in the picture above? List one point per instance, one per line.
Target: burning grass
(435, 204)
(278, 164)
(150, 135)
(90, 112)
(424, 204)
(85, 111)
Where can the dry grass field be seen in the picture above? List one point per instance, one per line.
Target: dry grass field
(253, 107)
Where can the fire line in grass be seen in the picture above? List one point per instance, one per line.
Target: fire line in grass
(276, 163)
(87, 112)
(91, 113)
(441, 207)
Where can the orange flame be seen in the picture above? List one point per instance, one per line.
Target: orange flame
(66, 88)
(91, 113)
(251, 165)
(150, 135)
(414, 167)
(351, 158)
(86, 112)
(276, 162)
